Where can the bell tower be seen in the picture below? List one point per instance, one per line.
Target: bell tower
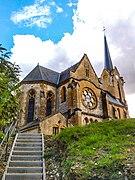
(112, 82)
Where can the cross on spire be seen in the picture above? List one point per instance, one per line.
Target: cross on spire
(104, 29)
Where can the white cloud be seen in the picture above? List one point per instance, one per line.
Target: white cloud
(29, 49)
(52, 3)
(40, 22)
(70, 4)
(59, 9)
(40, 14)
(30, 12)
(88, 20)
(105, 11)
(131, 107)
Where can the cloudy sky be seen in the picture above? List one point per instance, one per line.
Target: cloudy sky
(56, 34)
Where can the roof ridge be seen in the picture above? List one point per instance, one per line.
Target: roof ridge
(70, 68)
(40, 71)
(48, 69)
(58, 78)
(44, 73)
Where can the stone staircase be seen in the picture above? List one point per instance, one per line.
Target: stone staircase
(26, 160)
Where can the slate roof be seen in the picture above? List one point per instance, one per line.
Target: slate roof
(66, 74)
(30, 125)
(114, 100)
(40, 73)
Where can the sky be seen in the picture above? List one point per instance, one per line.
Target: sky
(57, 33)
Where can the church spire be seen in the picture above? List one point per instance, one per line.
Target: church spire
(107, 62)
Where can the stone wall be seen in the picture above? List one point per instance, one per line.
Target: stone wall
(57, 120)
(40, 100)
(25, 88)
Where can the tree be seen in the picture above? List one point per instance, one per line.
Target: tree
(9, 78)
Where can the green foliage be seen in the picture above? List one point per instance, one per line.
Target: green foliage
(99, 149)
(68, 164)
(48, 154)
(1, 135)
(9, 77)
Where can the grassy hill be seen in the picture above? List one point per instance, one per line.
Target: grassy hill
(104, 150)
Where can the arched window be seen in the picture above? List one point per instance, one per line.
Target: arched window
(31, 104)
(55, 130)
(49, 103)
(91, 120)
(86, 121)
(113, 112)
(63, 94)
(118, 113)
(125, 114)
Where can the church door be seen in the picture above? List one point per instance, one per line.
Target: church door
(31, 104)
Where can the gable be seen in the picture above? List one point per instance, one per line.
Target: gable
(85, 70)
(105, 74)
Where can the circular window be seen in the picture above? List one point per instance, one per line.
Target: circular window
(89, 98)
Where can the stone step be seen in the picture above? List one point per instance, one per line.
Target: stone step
(25, 164)
(29, 140)
(28, 134)
(27, 148)
(27, 153)
(31, 135)
(26, 158)
(22, 176)
(24, 170)
(36, 144)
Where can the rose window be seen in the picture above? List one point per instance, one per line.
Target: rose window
(89, 98)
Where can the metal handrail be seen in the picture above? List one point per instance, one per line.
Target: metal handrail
(6, 134)
(44, 173)
(9, 132)
(3, 178)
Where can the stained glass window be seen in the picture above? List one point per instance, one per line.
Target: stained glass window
(31, 104)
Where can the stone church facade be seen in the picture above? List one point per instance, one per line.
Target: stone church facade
(75, 96)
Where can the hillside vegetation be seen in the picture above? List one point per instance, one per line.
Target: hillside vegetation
(104, 150)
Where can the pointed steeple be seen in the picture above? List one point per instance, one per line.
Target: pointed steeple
(107, 62)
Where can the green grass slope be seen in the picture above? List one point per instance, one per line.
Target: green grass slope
(104, 150)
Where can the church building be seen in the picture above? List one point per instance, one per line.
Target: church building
(51, 101)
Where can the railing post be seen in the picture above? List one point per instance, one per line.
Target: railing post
(6, 151)
(16, 128)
